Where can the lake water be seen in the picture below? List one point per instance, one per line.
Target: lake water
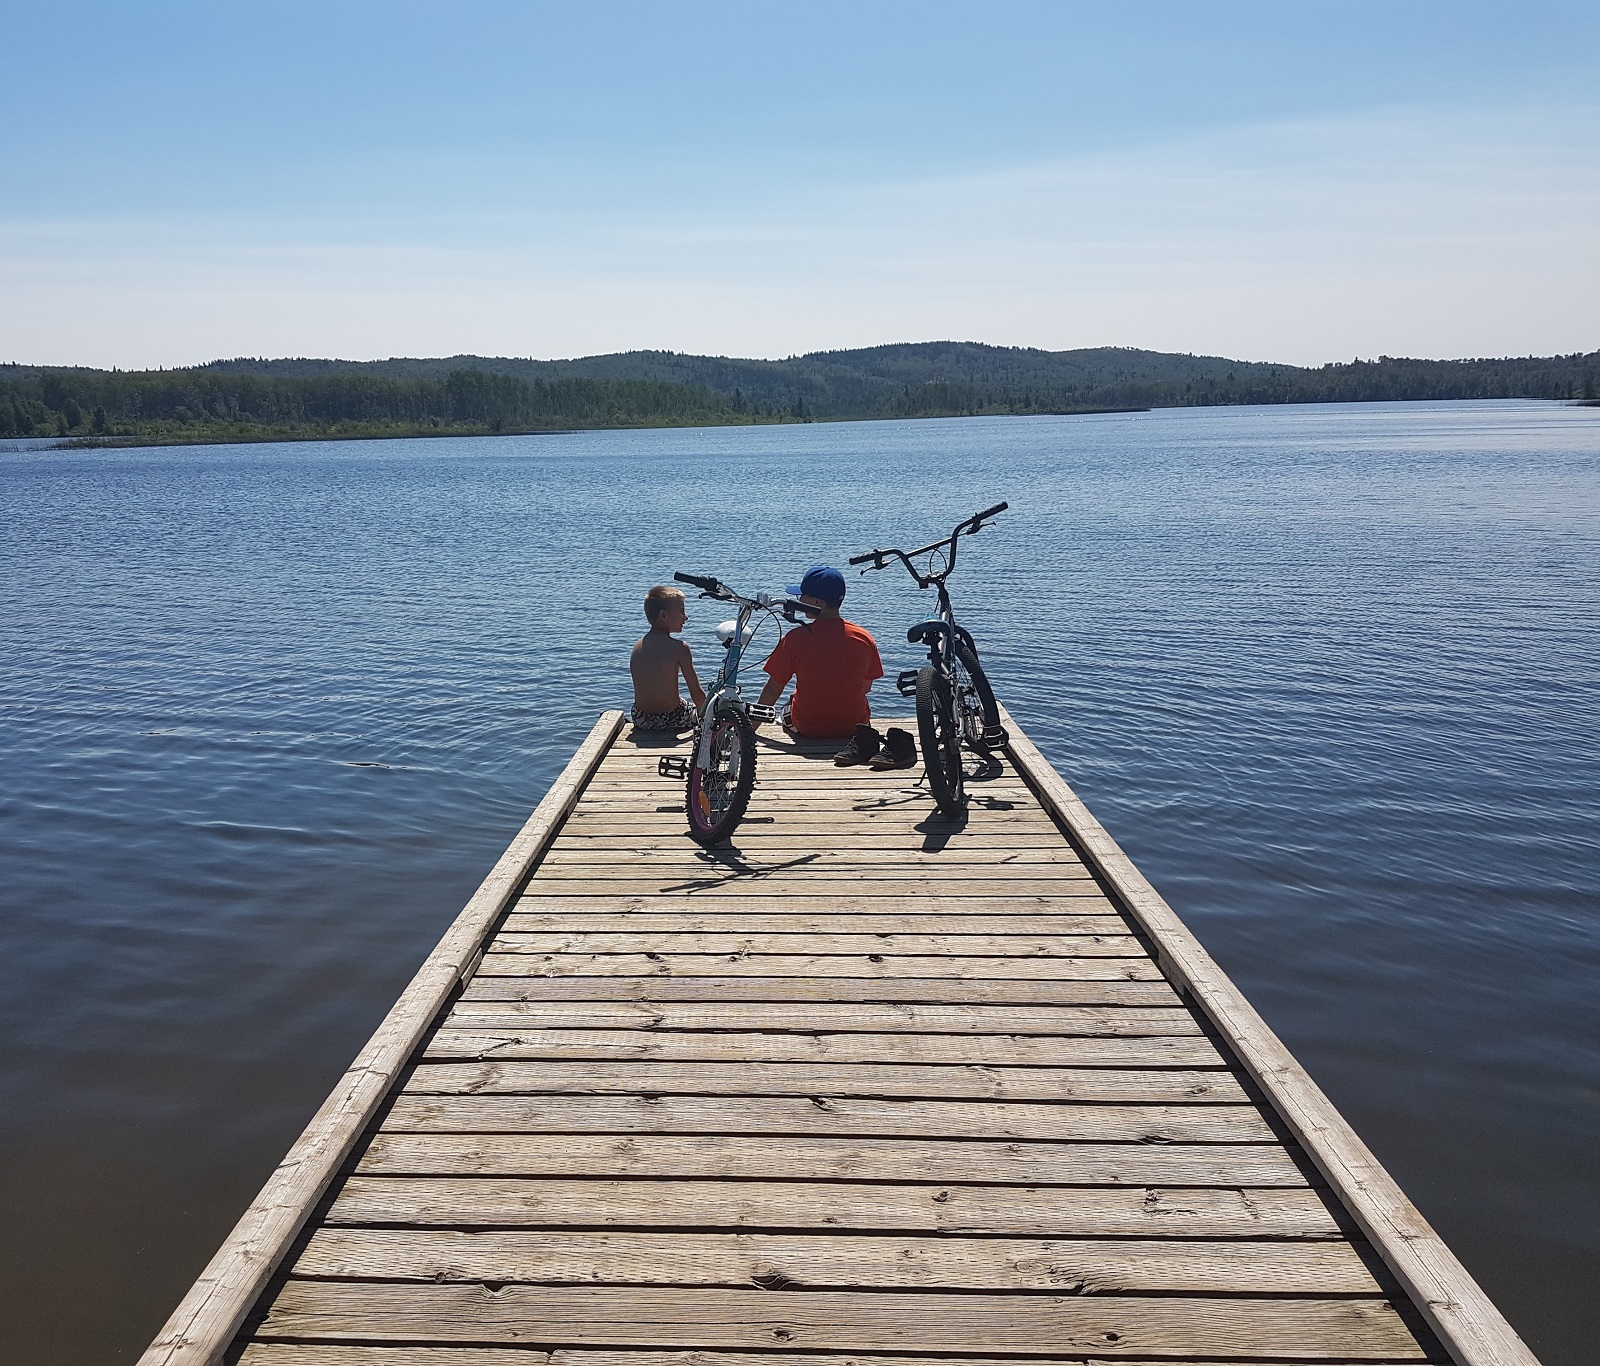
(268, 714)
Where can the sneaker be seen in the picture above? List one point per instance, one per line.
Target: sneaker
(861, 748)
(899, 750)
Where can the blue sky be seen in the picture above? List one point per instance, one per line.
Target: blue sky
(1283, 181)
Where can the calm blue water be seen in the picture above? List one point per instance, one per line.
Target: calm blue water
(268, 713)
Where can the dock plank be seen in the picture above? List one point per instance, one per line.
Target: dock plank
(1108, 1005)
(1109, 1325)
(690, 1204)
(757, 940)
(993, 1050)
(824, 1117)
(508, 959)
(548, 1002)
(346, 1354)
(835, 1262)
(989, 1082)
(830, 1159)
(665, 921)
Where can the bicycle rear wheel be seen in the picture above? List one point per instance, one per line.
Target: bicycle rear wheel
(978, 712)
(719, 791)
(941, 741)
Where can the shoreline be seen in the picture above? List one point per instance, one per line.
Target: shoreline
(118, 441)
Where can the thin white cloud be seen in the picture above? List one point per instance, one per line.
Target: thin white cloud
(1403, 231)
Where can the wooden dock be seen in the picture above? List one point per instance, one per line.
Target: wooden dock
(867, 1086)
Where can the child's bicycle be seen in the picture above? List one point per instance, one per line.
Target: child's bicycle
(721, 773)
(955, 703)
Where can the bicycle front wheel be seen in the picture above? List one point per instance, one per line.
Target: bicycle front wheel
(978, 712)
(941, 741)
(719, 790)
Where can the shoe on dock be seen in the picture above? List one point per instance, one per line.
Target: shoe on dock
(862, 747)
(899, 750)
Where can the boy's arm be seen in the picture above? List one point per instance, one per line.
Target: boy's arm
(690, 678)
(779, 672)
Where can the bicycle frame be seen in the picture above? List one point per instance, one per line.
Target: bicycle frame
(939, 633)
(724, 693)
(724, 690)
(956, 706)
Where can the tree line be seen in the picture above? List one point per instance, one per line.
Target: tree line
(275, 400)
(208, 405)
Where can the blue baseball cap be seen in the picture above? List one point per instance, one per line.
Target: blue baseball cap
(822, 582)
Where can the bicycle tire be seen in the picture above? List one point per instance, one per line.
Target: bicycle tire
(941, 741)
(719, 793)
(980, 725)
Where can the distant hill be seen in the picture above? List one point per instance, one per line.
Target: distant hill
(246, 398)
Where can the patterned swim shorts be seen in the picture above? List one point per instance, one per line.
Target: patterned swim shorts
(680, 718)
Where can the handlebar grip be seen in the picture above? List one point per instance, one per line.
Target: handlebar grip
(705, 582)
(862, 559)
(987, 513)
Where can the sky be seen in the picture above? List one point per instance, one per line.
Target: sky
(1288, 181)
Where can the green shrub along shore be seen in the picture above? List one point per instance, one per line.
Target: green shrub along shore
(277, 400)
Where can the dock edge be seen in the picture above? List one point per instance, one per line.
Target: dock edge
(1472, 1329)
(205, 1321)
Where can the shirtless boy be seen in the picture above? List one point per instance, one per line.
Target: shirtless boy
(657, 661)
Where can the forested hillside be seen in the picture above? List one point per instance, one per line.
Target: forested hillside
(247, 399)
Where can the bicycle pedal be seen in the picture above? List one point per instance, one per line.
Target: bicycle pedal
(674, 766)
(996, 737)
(760, 713)
(906, 682)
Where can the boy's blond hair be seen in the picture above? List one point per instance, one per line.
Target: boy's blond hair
(659, 597)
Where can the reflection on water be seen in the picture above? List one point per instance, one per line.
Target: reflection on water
(268, 713)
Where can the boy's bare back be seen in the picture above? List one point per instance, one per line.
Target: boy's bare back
(656, 663)
(659, 659)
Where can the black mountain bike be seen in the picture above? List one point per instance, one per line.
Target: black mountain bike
(955, 704)
(721, 773)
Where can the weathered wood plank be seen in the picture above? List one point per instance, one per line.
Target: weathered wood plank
(345, 1354)
(898, 927)
(1063, 1266)
(1107, 1325)
(662, 940)
(1133, 1212)
(478, 1008)
(1455, 1305)
(507, 961)
(1084, 1085)
(1076, 898)
(994, 1050)
(939, 991)
(831, 1159)
(706, 890)
(206, 1319)
(780, 854)
(829, 791)
(912, 825)
(823, 1117)
(896, 878)
(765, 842)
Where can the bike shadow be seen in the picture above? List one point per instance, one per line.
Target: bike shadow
(730, 857)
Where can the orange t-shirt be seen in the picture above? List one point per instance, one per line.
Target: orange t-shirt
(833, 663)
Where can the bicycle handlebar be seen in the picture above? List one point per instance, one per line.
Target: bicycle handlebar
(706, 583)
(963, 528)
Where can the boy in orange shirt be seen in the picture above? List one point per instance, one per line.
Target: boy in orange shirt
(833, 663)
